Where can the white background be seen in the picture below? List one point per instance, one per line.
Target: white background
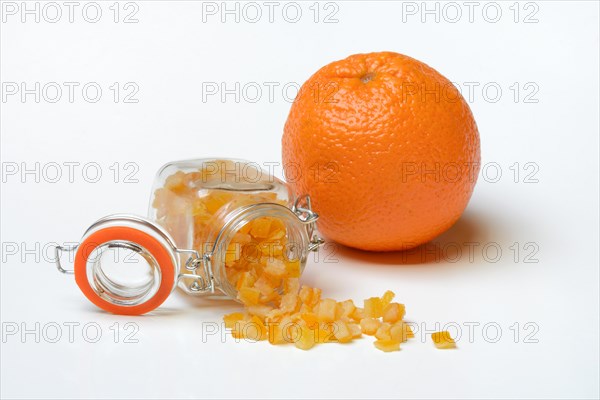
(175, 51)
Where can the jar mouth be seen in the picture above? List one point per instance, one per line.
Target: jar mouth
(123, 273)
(126, 264)
(295, 231)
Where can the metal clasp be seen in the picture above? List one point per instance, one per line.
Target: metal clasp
(57, 251)
(201, 283)
(303, 209)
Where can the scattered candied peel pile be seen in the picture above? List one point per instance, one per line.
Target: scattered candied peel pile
(277, 309)
(261, 265)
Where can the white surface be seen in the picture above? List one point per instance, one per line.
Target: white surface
(168, 54)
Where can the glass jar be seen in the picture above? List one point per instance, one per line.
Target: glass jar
(210, 222)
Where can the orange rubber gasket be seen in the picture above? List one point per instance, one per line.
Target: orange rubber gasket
(153, 246)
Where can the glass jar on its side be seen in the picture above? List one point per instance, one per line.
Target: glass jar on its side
(237, 215)
(214, 225)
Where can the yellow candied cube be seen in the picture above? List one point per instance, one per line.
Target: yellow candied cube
(255, 329)
(326, 312)
(216, 200)
(443, 340)
(233, 253)
(387, 345)
(245, 280)
(261, 228)
(344, 309)
(387, 298)
(310, 319)
(358, 314)
(259, 310)
(276, 331)
(401, 331)
(325, 332)
(383, 332)
(291, 285)
(309, 296)
(265, 285)
(277, 231)
(249, 296)
(275, 268)
(393, 312)
(342, 332)
(305, 339)
(355, 330)
(369, 326)
(270, 249)
(373, 308)
(252, 329)
(289, 302)
(231, 319)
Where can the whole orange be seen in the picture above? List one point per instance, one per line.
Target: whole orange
(386, 147)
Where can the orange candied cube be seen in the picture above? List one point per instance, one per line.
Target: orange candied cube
(293, 268)
(291, 285)
(275, 334)
(277, 229)
(387, 298)
(344, 309)
(254, 329)
(325, 332)
(309, 296)
(383, 332)
(305, 339)
(275, 268)
(373, 308)
(326, 312)
(387, 345)
(401, 331)
(264, 285)
(248, 295)
(261, 228)
(216, 200)
(246, 280)
(259, 310)
(358, 314)
(231, 319)
(289, 302)
(245, 229)
(443, 340)
(270, 250)
(355, 330)
(233, 253)
(393, 312)
(341, 331)
(310, 319)
(369, 325)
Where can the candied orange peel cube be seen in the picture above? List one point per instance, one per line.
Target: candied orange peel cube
(369, 325)
(393, 312)
(387, 345)
(326, 310)
(443, 340)
(387, 298)
(401, 332)
(373, 307)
